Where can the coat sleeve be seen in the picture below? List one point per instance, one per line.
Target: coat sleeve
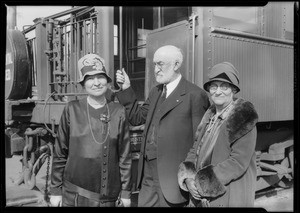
(60, 153)
(125, 160)
(212, 179)
(238, 160)
(136, 114)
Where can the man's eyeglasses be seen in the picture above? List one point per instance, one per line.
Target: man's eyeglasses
(160, 64)
(213, 87)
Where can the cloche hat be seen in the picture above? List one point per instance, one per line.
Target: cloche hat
(224, 72)
(91, 64)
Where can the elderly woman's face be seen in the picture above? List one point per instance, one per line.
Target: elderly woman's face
(95, 85)
(221, 93)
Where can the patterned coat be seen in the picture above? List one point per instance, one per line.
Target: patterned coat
(229, 178)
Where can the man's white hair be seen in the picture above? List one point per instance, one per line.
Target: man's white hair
(175, 51)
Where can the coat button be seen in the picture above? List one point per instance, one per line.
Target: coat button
(103, 186)
(104, 155)
(104, 178)
(105, 147)
(104, 163)
(104, 170)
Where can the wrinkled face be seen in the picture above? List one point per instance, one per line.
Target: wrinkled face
(96, 85)
(164, 67)
(221, 93)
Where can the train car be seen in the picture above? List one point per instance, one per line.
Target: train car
(41, 72)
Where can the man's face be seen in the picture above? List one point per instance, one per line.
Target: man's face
(164, 67)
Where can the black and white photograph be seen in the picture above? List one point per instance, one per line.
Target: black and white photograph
(150, 106)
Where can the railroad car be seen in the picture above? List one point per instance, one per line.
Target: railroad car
(41, 71)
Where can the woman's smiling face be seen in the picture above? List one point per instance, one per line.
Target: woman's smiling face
(221, 93)
(96, 85)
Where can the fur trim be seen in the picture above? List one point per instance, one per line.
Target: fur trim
(207, 183)
(186, 170)
(241, 120)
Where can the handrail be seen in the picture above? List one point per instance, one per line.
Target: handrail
(193, 46)
(63, 13)
(250, 36)
(121, 36)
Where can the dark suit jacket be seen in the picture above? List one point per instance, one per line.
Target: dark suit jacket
(179, 115)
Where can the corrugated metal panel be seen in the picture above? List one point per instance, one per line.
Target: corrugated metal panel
(274, 19)
(266, 74)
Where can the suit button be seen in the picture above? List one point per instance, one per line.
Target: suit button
(105, 147)
(104, 155)
(103, 186)
(104, 178)
(104, 170)
(104, 163)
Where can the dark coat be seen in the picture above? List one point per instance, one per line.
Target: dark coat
(230, 177)
(105, 168)
(179, 116)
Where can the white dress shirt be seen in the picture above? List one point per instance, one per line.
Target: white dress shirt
(172, 85)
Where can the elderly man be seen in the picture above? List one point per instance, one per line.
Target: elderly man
(171, 114)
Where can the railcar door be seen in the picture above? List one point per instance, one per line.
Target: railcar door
(179, 34)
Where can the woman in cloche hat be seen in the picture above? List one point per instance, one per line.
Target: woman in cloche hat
(220, 169)
(92, 159)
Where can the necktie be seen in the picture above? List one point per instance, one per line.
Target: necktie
(164, 93)
(160, 101)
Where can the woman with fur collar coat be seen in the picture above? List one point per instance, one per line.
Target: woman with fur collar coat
(220, 168)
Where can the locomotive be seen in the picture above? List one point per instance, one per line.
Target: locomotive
(41, 72)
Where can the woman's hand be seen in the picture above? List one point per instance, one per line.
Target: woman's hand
(123, 202)
(126, 202)
(55, 200)
(190, 184)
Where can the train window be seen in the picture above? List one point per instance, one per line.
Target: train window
(289, 21)
(170, 15)
(236, 18)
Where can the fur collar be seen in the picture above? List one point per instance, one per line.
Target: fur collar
(242, 118)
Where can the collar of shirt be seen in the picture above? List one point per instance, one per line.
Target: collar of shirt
(172, 85)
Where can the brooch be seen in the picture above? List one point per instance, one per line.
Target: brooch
(104, 118)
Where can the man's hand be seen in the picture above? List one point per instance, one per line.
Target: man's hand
(122, 79)
(55, 200)
(190, 184)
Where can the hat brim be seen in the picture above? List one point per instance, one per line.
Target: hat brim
(95, 72)
(206, 85)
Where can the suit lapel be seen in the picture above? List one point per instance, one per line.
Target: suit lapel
(153, 106)
(175, 98)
